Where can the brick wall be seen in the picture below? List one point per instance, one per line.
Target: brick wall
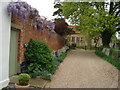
(27, 32)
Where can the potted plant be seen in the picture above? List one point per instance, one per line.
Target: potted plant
(23, 79)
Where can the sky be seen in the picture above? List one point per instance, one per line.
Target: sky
(45, 7)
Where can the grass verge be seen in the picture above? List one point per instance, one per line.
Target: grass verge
(111, 60)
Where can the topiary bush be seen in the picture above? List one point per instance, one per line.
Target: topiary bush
(23, 79)
(38, 54)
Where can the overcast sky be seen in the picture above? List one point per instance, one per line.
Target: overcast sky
(45, 7)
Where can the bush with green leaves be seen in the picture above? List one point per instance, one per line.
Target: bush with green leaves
(61, 57)
(23, 79)
(39, 56)
(73, 46)
(44, 75)
(33, 75)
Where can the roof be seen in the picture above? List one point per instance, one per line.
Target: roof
(73, 27)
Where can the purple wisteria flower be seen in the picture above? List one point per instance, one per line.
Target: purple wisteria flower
(24, 11)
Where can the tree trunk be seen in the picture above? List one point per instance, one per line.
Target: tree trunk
(106, 38)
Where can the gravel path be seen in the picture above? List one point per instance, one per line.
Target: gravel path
(83, 69)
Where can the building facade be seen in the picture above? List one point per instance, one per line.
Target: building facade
(5, 22)
(81, 39)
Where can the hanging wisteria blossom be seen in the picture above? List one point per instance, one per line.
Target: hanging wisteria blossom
(24, 11)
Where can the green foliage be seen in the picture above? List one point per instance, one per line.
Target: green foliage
(45, 75)
(115, 53)
(113, 49)
(111, 60)
(62, 57)
(93, 18)
(59, 19)
(39, 56)
(59, 10)
(33, 75)
(87, 47)
(81, 47)
(23, 79)
(34, 67)
(73, 46)
(41, 61)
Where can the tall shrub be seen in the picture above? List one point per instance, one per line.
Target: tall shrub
(39, 56)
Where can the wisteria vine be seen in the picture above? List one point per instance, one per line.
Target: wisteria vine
(24, 11)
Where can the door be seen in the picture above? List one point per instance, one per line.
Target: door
(13, 52)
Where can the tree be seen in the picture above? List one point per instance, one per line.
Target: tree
(61, 26)
(59, 10)
(101, 18)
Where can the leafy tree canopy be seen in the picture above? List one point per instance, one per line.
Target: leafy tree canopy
(94, 18)
(59, 10)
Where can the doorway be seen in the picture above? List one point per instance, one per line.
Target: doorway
(13, 51)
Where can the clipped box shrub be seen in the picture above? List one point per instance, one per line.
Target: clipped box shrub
(23, 79)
